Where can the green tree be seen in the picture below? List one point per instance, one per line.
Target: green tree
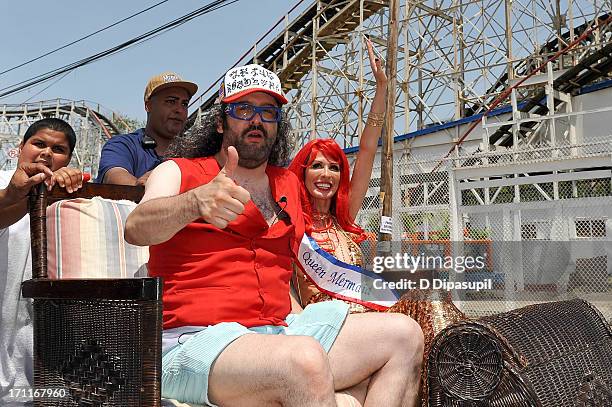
(126, 124)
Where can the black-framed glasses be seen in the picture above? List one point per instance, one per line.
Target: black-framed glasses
(245, 111)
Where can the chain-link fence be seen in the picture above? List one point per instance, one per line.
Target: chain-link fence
(544, 234)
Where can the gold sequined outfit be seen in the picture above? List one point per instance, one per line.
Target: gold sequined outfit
(339, 243)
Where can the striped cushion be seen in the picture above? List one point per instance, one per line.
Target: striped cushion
(85, 240)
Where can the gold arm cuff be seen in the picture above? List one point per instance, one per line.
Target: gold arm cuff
(377, 116)
(374, 122)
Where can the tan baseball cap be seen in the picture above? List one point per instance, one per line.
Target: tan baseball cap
(168, 80)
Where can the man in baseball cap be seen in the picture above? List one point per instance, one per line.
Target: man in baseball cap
(224, 222)
(129, 158)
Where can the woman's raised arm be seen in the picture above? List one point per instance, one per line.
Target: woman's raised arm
(362, 170)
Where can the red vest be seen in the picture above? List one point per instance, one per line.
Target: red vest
(240, 273)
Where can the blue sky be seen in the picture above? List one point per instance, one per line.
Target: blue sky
(200, 50)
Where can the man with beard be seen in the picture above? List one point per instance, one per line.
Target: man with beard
(224, 225)
(128, 159)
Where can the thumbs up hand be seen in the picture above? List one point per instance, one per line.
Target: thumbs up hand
(231, 163)
(220, 201)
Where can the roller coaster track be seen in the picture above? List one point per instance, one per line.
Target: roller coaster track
(528, 65)
(61, 108)
(290, 52)
(595, 65)
(92, 125)
(325, 24)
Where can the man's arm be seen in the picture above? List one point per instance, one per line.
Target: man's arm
(163, 211)
(10, 214)
(13, 199)
(118, 162)
(121, 176)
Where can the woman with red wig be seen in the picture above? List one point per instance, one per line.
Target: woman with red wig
(331, 197)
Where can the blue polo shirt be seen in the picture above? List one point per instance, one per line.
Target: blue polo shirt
(126, 151)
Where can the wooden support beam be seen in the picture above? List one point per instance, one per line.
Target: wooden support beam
(386, 188)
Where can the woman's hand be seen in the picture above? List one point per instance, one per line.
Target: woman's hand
(376, 64)
(69, 178)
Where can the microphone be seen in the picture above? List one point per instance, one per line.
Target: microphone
(282, 200)
(148, 142)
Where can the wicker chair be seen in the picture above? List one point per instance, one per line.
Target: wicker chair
(97, 341)
(550, 355)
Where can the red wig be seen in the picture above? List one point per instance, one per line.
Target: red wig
(340, 202)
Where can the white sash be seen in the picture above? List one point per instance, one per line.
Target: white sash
(341, 280)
